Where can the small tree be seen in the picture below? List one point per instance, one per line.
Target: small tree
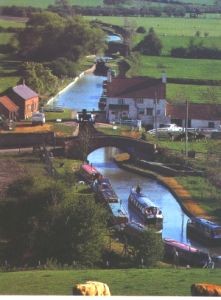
(141, 29)
(150, 45)
(148, 248)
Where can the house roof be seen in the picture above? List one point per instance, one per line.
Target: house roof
(137, 87)
(8, 104)
(24, 91)
(195, 111)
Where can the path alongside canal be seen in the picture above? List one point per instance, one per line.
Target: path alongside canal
(190, 206)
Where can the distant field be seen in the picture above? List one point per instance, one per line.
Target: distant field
(11, 22)
(193, 93)
(45, 3)
(170, 26)
(180, 68)
(5, 38)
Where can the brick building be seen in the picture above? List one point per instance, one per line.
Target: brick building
(8, 108)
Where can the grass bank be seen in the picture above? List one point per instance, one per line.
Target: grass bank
(129, 282)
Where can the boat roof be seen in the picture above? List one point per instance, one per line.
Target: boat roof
(207, 223)
(143, 199)
(117, 209)
(180, 245)
(89, 169)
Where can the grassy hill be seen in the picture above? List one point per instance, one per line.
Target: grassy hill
(140, 282)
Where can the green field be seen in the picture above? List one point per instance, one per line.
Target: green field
(45, 3)
(180, 68)
(129, 282)
(170, 26)
(12, 22)
(193, 93)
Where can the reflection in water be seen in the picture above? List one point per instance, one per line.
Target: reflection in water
(174, 225)
(84, 94)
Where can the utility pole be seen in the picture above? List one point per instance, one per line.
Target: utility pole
(186, 131)
(155, 114)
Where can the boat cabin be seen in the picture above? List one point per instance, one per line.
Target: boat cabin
(119, 215)
(186, 253)
(204, 229)
(89, 173)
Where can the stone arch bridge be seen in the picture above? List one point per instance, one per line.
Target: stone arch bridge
(89, 139)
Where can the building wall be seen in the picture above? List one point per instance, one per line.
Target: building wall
(204, 123)
(4, 111)
(139, 109)
(26, 107)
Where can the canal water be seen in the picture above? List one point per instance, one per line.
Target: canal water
(85, 93)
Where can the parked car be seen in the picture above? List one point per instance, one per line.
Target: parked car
(166, 128)
(38, 118)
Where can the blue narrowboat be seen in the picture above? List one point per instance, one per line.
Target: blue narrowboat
(145, 208)
(204, 230)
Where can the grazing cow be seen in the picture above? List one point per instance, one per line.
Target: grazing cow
(91, 288)
(205, 289)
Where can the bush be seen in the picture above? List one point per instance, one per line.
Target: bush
(141, 29)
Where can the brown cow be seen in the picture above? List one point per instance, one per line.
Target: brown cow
(91, 288)
(205, 289)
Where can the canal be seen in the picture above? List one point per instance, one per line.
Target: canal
(85, 93)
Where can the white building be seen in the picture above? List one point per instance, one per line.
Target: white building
(138, 98)
(199, 115)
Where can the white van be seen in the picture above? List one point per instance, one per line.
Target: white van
(38, 118)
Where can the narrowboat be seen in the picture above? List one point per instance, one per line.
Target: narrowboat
(88, 173)
(133, 228)
(204, 230)
(104, 190)
(186, 253)
(145, 208)
(118, 213)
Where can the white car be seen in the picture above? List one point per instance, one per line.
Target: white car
(38, 118)
(167, 128)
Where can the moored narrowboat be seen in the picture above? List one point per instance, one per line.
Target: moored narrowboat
(104, 190)
(88, 173)
(204, 230)
(145, 208)
(118, 213)
(186, 253)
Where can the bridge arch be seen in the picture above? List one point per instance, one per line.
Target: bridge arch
(136, 148)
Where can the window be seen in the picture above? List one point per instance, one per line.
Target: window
(120, 101)
(211, 124)
(139, 100)
(158, 112)
(149, 111)
(141, 111)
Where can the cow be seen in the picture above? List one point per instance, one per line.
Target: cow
(91, 288)
(205, 289)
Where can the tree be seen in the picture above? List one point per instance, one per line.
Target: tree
(141, 29)
(49, 36)
(150, 45)
(39, 78)
(148, 248)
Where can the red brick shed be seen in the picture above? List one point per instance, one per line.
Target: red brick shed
(26, 99)
(8, 108)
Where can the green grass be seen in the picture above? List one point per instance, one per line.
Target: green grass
(179, 68)
(209, 197)
(45, 3)
(129, 282)
(193, 93)
(170, 26)
(58, 115)
(19, 23)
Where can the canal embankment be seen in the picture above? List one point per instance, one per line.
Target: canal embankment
(188, 204)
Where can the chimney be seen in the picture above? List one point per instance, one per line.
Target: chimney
(23, 82)
(109, 75)
(164, 77)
